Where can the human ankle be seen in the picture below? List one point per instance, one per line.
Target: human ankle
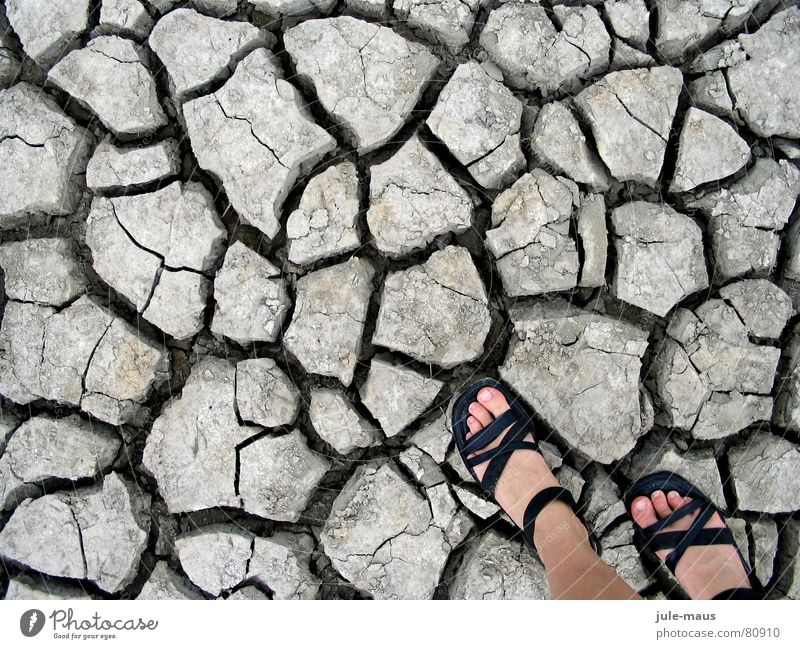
(557, 523)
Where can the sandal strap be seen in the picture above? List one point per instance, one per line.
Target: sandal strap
(674, 516)
(500, 450)
(689, 536)
(708, 536)
(516, 433)
(488, 434)
(538, 503)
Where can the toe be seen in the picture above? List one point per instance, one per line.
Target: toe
(675, 500)
(493, 400)
(659, 499)
(474, 426)
(480, 413)
(643, 511)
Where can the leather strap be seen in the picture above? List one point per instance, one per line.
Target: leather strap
(510, 447)
(488, 434)
(538, 503)
(674, 516)
(689, 536)
(516, 433)
(670, 540)
(696, 535)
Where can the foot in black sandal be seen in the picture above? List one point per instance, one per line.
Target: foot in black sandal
(677, 521)
(493, 432)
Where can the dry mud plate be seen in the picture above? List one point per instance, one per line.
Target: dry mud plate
(251, 250)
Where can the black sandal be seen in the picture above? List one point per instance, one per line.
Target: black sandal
(652, 538)
(521, 422)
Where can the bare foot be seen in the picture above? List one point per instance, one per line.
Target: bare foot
(526, 472)
(703, 571)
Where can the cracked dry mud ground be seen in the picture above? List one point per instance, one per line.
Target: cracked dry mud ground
(251, 249)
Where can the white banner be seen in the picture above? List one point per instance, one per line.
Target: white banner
(148, 624)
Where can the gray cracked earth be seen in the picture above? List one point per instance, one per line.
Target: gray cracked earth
(250, 251)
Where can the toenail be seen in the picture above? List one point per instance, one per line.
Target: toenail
(640, 505)
(657, 494)
(674, 494)
(484, 395)
(472, 406)
(471, 420)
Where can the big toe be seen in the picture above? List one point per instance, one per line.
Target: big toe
(493, 400)
(643, 511)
